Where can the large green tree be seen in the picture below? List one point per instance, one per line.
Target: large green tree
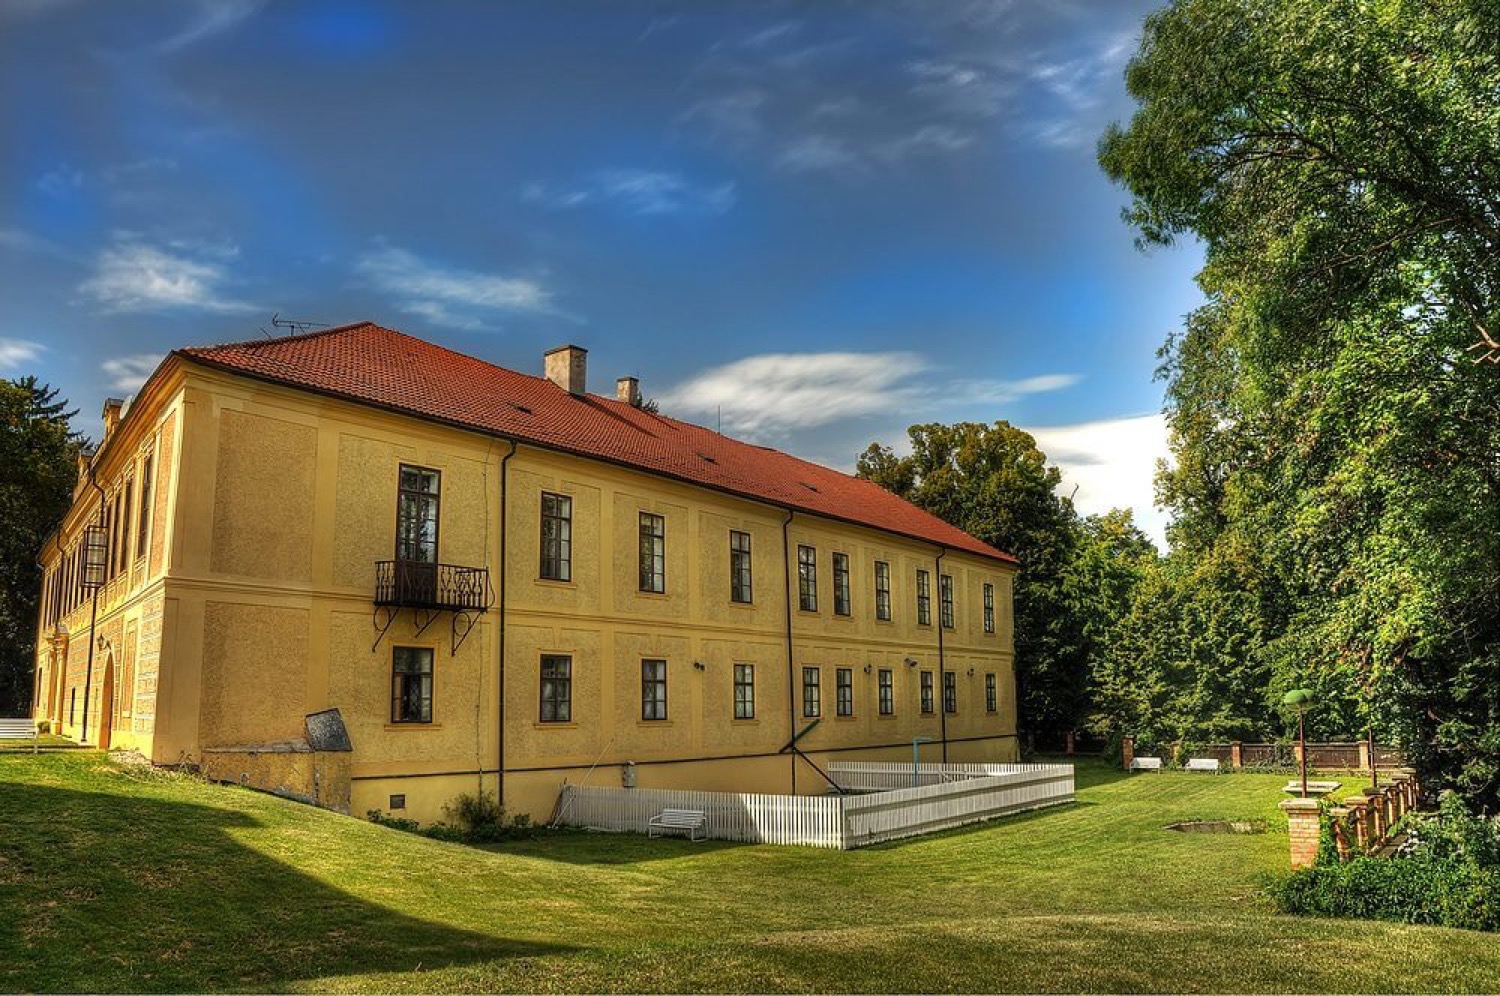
(38, 465)
(1335, 421)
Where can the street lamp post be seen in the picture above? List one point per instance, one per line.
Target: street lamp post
(1300, 699)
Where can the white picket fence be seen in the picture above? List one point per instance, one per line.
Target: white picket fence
(958, 794)
(880, 776)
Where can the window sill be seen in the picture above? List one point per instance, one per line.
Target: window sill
(569, 725)
(741, 605)
(889, 715)
(746, 722)
(556, 583)
(405, 727)
(844, 719)
(655, 723)
(658, 596)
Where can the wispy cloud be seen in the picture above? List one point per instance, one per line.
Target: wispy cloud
(772, 394)
(61, 180)
(127, 373)
(446, 295)
(134, 275)
(636, 192)
(1111, 464)
(15, 352)
(209, 18)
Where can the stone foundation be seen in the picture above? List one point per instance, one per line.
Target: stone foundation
(286, 768)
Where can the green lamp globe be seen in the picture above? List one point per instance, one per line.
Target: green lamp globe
(1298, 698)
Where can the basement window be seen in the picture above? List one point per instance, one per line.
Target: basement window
(397, 802)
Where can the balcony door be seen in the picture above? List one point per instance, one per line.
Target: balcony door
(417, 536)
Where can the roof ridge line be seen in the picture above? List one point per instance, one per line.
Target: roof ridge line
(299, 337)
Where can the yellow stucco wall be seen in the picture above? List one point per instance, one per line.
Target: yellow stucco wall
(281, 502)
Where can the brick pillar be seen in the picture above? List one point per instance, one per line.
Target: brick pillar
(1127, 752)
(1068, 743)
(1236, 761)
(1359, 819)
(1375, 799)
(1302, 830)
(1343, 836)
(1364, 755)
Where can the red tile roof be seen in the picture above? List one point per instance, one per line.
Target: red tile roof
(379, 366)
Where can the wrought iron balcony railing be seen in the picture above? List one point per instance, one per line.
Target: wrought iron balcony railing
(437, 587)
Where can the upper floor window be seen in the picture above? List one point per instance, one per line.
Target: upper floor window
(557, 537)
(945, 599)
(653, 689)
(653, 530)
(882, 591)
(411, 685)
(739, 566)
(843, 685)
(924, 598)
(557, 688)
(927, 693)
(989, 608)
(807, 578)
(991, 695)
(887, 692)
(417, 515)
(812, 693)
(143, 525)
(841, 584)
(126, 533)
(950, 692)
(744, 691)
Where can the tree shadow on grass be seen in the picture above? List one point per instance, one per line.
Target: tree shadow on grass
(112, 892)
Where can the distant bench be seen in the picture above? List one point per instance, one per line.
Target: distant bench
(1201, 764)
(691, 820)
(17, 729)
(1145, 764)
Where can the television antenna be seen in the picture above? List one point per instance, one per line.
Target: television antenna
(294, 326)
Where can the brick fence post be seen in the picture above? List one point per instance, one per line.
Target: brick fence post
(1376, 799)
(1070, 742)
(1303, 830)
(1298, 750)
(1236, 759)
(1364, 755)
(1359, 817)
(1127, 752)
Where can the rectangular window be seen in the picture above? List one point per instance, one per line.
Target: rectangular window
(125, 521)
(841, 584)
(557, 688)
(945, 599)
(812, 693)
(887, 692)
(807, 578)
(411, 684)
(143, 526)
(927, 693)
(72, 707)
(924, 598)
(882, 591)
(739, 567)
(843, 686)
(417, 516)
(653, 689)
(557, 537)
(114, 538)
(989, 608)
(744, 691)
(991, 699)
(950, 692)
(653, 553)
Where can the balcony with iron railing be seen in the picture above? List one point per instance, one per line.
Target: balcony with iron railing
(435, 587)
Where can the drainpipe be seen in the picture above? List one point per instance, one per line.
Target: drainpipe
(791, 695)
(942, 673)
(500, 683)
(88, 673)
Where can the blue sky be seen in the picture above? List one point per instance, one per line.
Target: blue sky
(821, 221)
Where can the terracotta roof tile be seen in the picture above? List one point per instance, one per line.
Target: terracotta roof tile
(383, 367)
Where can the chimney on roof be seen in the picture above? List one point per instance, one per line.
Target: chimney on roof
(567, 367)
(628, 390)
(113, 408)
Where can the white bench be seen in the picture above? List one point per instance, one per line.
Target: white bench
(17, 729)
(691, 820)
(1145, 764)
(1201, 764)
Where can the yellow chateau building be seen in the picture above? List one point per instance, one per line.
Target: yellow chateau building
(366, 571)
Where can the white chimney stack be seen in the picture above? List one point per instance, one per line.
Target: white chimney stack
(628, 390)
(567, 367)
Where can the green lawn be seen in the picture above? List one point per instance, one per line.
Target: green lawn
(114, 878)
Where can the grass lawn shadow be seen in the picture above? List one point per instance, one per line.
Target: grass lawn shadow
(107, 891)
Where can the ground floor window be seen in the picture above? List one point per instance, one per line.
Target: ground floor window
(744, 691)
(72, 706)
(927, 692)
(887, 692)
(653, 689)
(990, 696)
(950, 692)
(812, 693)
(411, 685)
(557, 688)
(844, 689)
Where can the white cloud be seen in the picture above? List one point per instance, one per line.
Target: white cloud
(132, 275)
(447, 295)
(637, 192)
(770, 395)
(210, 17)
(128, 373)
(14, 352)
(61, 180)
(1111, 464)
